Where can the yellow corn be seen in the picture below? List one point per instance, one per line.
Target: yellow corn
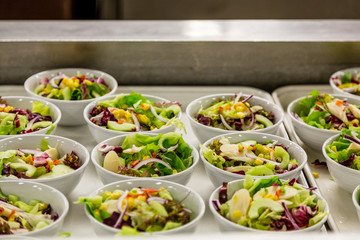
(142, 198)
(236, 214)
(315, 174)
(127, 115)
(143, 118)
(115, 195)
(126, 217)
(174, 171)
(250, 148)
(240, 114)
(239, 108)
(355, 121)
(152, 127)
(261, 155)
(145, 106)
(8, 109)
(87, 82)
(103, 207)
(97, 212)
(145, 157)
(272, 197)
(259, 162)
(131, 202)
(247, 104)
(334, 148)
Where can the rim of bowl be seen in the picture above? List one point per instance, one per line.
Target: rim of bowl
(49, 188)
(292, 103)
(97, 165)
(52, 106)
(341, 72)
(85, 161)
(33, 77)
(331, 161)
(187, 189)
(355, 198)
(299, 168)
(228, 95)
(242, 228)
(94, 103)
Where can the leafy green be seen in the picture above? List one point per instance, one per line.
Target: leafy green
(39, 107)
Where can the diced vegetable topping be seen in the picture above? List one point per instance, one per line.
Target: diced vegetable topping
(348, 82)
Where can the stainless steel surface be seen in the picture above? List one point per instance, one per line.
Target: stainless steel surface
(259, 53)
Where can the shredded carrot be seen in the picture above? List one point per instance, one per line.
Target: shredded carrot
(1, 210)
(278, 192)
(56, 161)
(254, 148)
(112, 110)
(121, 121)
(339, 102)
(154, 154)
(133, 163)
(11, 214)
(318, 103)
(221, 108)
(228, 107)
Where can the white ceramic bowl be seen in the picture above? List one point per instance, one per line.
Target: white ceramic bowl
(101, 134)
(71, 110)
(194, 202)
(65, 183)
(347, 178)
(356, 200)
(340, 74)
(218, 176)
(107, 176)
(204, 133)
(26, 103)
(228, 226)
(26, 191)
(312, 136)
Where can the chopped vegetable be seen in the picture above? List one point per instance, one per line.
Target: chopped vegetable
(348, 82)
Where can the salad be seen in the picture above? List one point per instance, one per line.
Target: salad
(270, 204)
(346, 150)
(19, 121)
(37, 164)
(18, 217)
(235, 114)
(77, 87)
(138, 210)
(327, 112)
(147, 156)
(133, 112)
(348, 82)
(249, 157)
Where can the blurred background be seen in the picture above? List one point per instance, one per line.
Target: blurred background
(177, 9)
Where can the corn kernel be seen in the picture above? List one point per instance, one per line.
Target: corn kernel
(8, 109)
(145, 157)
(239, 108)
(355, 121)
(126, 217)
(115, 195)
(107, 194)
(143, 118)
(174, 171)
(247, 104)
(236, 214)
(259, 162)
(261, 155)
(87, 82)
(315, 174)
(250, 148)
(214, 111)
(145, 106)
(272, 197)
(97, 212)
(131, 202)
(103, 207)
(152, 128)
(240, 114)
(142, 198)
(127, 115)
(334, 148)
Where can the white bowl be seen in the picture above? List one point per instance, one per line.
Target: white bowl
(101, 133)
(312, 136)
(193, 201)
(204, 133)
(340, 74)
(218, 176)
(26, 103)
(107, 176)
(65, 183)
(226, 225)
(71, 110)
(26, 191)
(347, 178)
(356, 200)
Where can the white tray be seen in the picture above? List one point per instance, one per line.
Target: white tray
(343, 213)
(76, 221)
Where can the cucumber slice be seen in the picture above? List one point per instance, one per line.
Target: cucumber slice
(263, 120)
(125, 127)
